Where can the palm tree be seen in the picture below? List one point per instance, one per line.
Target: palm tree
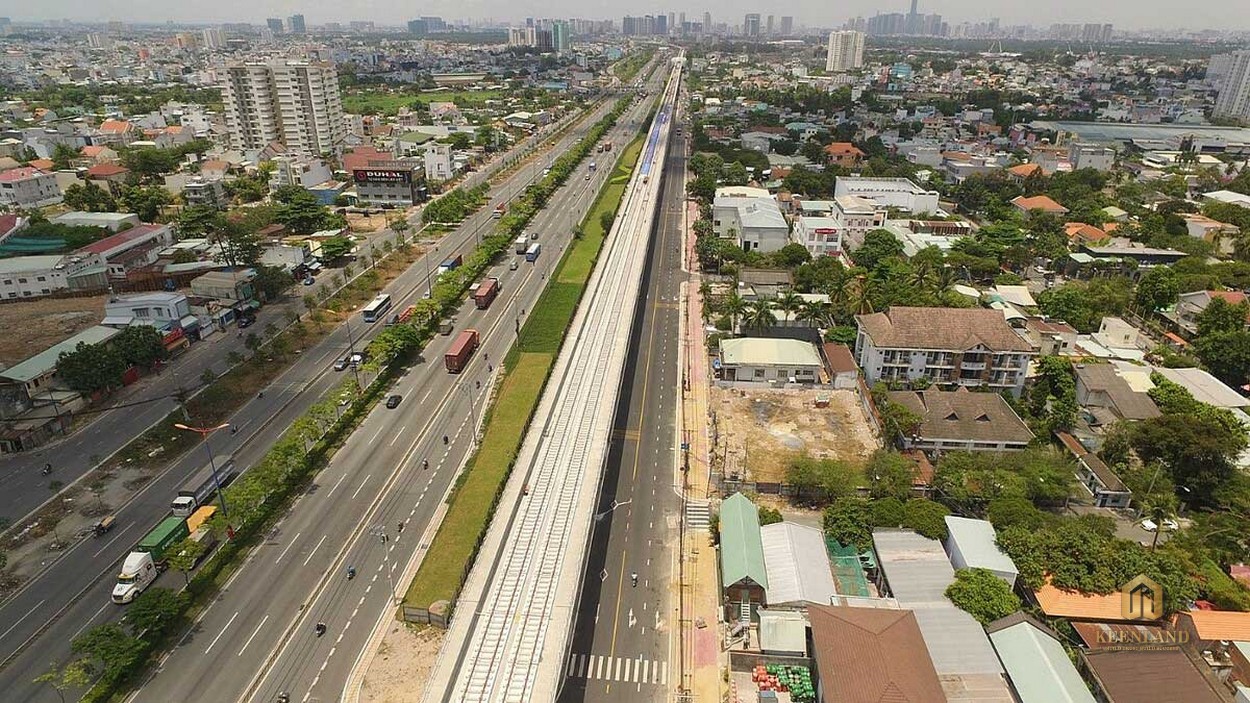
(734, 306)
(839, 292)
(789, 303)
(922, 276)
(816, 312)
(759, 314)
(862, 296)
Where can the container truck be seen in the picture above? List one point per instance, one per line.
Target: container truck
(148, 558)
(500, 209)
(450, 264)
(522, 243)
(485, 293)
(201, 533)
(203, 486)
(461, 350)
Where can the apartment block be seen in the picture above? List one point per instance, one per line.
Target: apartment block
(295, 103)
(948, 346)
(1234, 97)
(28, 187)
(845, 51)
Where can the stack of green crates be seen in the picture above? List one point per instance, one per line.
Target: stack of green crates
(797, 680)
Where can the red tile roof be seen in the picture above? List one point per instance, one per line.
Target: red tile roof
(106, 170)
(1038, 202)
(107, 244)
(19, 174)
(115, 126)
(843, 149)
(872, 655)
(41, 164)
(362, 155)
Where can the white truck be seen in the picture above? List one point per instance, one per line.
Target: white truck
(203, 486)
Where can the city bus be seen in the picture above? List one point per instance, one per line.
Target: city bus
(376, 309)
(531, 254)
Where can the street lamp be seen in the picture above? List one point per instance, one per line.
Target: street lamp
(204, 432)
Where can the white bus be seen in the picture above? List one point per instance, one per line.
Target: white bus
(376, 309)
(531, 254)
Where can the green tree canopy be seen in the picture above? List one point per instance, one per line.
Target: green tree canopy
(982, 595)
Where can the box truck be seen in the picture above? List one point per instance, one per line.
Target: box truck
(461, 350)
(486, 292)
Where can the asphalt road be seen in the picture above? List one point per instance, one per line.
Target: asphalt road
(258, 639)
(622, 636)
(73, 593)
(23, 488)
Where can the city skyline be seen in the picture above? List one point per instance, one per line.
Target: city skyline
(1152, 14)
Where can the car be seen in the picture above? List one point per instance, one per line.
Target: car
(245, 322)
(309, 281)
(340, 364)
(357, 358)
(393, 401)
(512, 265)
(1169, 525)
(588, 176)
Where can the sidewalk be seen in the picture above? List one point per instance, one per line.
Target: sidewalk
(702, 656)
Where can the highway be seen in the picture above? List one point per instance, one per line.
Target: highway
(623, 640)
(73, 594)
(258, 638)
(511, 625)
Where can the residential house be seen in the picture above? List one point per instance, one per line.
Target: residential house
(28, 187)
(763, 284)
(855, 217)
(234, 288)
(972, 544)
(821, 236)
(1120, 249)
(36, 373)
(214, 169)
(965, 346)
(159, 310)
(1106, 488)
(918, 235)
(109, 176)
(844, 154)
(116, 132)
(1145, 673)
(1080, 234)
(1109, 397)
(1189, 305)
(755, 223)
(204, 193)
(1038, 202)
(33, 276)
(759, 140)
(97, 154)
(1221, 235)
(769, 360)
(130, 249)
(744, 578)
(870, 655)
(298, 171)
(961, 420)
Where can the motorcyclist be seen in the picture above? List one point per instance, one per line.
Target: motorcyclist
(351, 573)
(47, 469)
(634, 577)
(321, 628)
(445, 440)
(425, 464)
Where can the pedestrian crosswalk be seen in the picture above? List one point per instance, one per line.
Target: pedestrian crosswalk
(698, 515)
(637, 670)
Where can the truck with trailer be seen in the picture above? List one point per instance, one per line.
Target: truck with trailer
(148, 558)
(486, 292)
(500, 209)
(522, 243)
(201, 533)
(461, 351)
(202, 486)
(449, 264)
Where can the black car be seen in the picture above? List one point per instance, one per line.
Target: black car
(245, 322)
(393, 401)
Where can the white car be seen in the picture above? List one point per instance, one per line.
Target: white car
(1169, 525)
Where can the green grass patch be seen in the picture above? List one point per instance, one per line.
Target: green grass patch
(581, 257)
(370, 101)
(473, 501)
(546, 325)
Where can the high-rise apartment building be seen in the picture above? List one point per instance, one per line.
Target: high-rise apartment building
(561, 37)
(787, 25)
(845, 51)
(681, 23)
(296, 24)
(707, 23)
(1234, 97)
(751, 25)
(275, 25)
(296, 103)
(661, 25)
(213, 38)
(769, 26)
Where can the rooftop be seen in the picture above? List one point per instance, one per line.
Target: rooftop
(21, 264)
(1205, 387)
(1038, 202)
(45, 361)
(978, 544)
(1219, 624)
(954, 329)
(1059, 603)
(1155, 675)
(797, 564)
(19, 174)
(1036, 662)
(964, 415)
(872, 655)
(109, 244)
(742, 550)
(765, 351)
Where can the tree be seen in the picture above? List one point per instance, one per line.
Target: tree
(148, 202)
(1198, 451)
(791, 255)
(156, 611)
(237, 246)
(897, 420)
(199, 221)
(888, 512)
(926, 517)
(820, 481)
(110, 647)
(140, 345)
(89, 197)
(91, 367)
(185, 555)
(890, 475)
(1013, 510)
(848, 522)
(335, 248)
(879, 245)
(71, 676)
(63, 156)
(1222, 316)
(302, 213)
(733, 305)
(1157, 289)
(1227, 355)
(272, 280)
(769, 515)
(982, 595)
(759, 314)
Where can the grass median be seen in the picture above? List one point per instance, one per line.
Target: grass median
(526, 368)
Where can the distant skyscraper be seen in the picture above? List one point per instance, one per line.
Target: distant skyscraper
(274, 24)
(751, 25)
(845, 51)
(296, 103)
(213, 38)
(1234, 97)
(681, 23)
(787, 25)
(672, 22)
(768, 31)
(419, 28)
(297, 24)
(561, 37)
(707, 23)
(661, 24)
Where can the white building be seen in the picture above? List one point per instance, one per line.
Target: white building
(213, 38)
(160, 310)
(755, 223)
(845, 51)
(302, 172)
(890, 192)
(855, 217)
(819, 235)
(28, 187)
(296, 103)
(438, 165)
(1099, 158)
(768, 360)
(972, 544)
(1234, 97)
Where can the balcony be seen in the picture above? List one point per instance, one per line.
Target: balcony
(972, 366)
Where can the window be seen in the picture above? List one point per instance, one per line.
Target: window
(759, 373)
(21, 280)
(41, 279)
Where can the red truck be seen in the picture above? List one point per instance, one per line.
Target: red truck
(485, 293)
(464, 346)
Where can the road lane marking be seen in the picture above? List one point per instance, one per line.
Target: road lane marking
(288, 547)
(375, 434)
(19, 620)
(617, 677)
(362, 486)
(314, 550)
(110, 542)
(223, 631)
(646, 664)
(88, 623)
(254, 633)
(336, 485)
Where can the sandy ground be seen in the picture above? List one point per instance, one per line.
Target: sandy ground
(403, 664)
(760, 430)
(33, 325)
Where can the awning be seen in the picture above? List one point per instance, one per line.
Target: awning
(190, 322)
(116, 321)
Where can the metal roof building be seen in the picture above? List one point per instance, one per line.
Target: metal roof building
(44, 363)
(741, 545)
(972, 544)
(796, 564)
(1036, 663)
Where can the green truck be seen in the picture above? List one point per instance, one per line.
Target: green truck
(169, 532)
(148, 559)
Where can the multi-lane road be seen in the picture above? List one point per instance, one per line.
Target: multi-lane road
(72, 595)
(622, 647)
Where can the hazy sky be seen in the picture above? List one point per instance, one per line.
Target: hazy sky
(1202, 14)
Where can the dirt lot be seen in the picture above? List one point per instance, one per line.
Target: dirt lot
(760, 430)
(402, 665)
(35, 325)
